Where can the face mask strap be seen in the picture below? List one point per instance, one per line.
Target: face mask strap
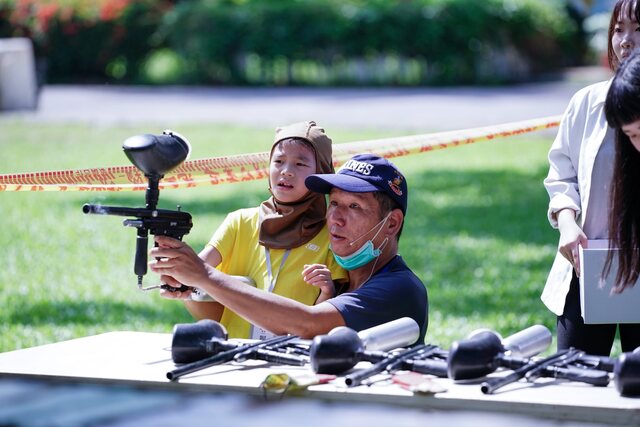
(382, 221)
(383, 244)
(365, 254)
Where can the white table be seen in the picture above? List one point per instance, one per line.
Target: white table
(141, 360)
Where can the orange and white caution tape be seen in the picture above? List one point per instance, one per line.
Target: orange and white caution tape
(249, 167)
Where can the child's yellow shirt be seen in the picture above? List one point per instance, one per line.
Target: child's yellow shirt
(237, 241)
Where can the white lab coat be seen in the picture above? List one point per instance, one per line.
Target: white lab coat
(571, 159)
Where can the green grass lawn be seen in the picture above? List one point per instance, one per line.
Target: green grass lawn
(476, 233)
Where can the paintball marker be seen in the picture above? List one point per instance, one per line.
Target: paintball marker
(196, 341)
(341, 349)
(484, 353)
(475, 359)
(391, 363)
(154, 155)
(626, 373)
(625, 369)
(203, 344)
(337, 353)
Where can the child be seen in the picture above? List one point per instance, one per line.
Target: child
(283, 244)
(366, 210)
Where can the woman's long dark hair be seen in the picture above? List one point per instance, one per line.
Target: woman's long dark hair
(622, 107)
(633, 12)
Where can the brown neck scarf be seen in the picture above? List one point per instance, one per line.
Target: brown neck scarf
(289, 225)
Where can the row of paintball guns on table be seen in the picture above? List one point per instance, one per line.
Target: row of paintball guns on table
(484, 356)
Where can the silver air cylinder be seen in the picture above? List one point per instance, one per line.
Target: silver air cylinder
(528, 342)
(388, 336)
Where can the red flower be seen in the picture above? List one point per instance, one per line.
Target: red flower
(112, 9)
(44, 14)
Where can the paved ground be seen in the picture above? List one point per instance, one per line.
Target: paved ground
(411, 109)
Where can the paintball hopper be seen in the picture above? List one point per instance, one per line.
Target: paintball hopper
(342, 348)
(190, 340)
(626, 373)
(477, 355)
(156, 155)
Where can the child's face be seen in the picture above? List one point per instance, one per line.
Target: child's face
(626, 35)
(632, 130)
(291, 163)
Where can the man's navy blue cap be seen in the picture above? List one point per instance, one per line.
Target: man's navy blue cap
(364, 173)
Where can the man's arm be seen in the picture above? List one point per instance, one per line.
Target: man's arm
(274, 313)
(206, 309)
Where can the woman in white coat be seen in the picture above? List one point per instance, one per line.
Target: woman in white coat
(581, 167)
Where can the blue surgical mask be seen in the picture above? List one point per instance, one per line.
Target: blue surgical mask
(364, 255)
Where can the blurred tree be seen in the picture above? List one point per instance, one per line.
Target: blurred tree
(284, 42)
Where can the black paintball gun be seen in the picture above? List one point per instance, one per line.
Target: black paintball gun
(196, 341)
(485, 352)
(154, 155)
(626, 373)
(393, 362)
(625, 370)
(341, 349)
(204, 344)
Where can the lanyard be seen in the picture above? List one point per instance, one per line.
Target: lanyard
(257, 333)
(272, 279)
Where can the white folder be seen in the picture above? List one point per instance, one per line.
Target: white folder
(597, 303)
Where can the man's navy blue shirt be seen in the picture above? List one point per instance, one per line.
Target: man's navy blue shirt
(391, 293)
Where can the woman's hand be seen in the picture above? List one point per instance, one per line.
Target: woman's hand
(571, 236)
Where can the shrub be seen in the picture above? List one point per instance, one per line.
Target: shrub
(88, 39)
(297, 42)
(370, 42)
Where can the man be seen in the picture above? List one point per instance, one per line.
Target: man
(365, 216)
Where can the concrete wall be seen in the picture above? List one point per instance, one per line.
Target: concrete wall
(18, 83)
